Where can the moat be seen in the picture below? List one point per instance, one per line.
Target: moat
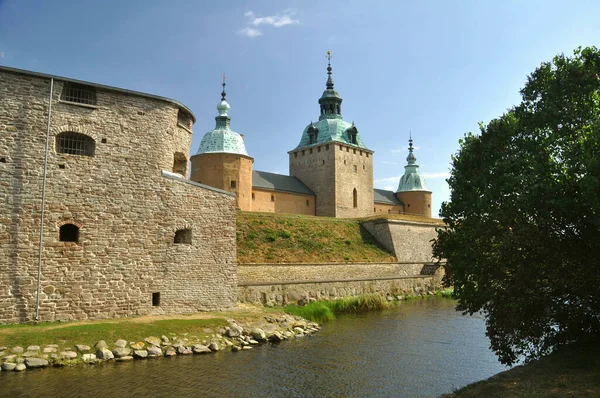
(422, 348)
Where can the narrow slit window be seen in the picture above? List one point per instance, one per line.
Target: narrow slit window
(307, 203)
(183, 236)
(233, 184)
(354, 198)
(253, 196)
(69, 233)
(272, 198)
(155, 299)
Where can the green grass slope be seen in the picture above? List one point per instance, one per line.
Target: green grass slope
(292, 238)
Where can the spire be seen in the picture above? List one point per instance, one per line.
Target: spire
(411, 158)
(329, 84)
(223, 94)
(223, 107)
(330, 101)
(411, 180)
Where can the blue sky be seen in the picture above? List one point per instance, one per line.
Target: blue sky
(435, 68)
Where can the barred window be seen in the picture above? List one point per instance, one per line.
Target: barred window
(80, 93)
(75, 144)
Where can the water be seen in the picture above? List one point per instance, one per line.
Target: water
(423, 348)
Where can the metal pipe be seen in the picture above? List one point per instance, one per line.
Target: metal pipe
(39, 276)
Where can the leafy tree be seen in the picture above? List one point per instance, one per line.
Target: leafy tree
(523, 237)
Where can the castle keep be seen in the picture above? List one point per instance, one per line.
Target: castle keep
(331, 169)
(124, 232)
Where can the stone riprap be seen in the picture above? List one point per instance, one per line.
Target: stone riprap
(111, 218)
(234, 337)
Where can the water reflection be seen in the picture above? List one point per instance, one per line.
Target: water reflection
(423, 348)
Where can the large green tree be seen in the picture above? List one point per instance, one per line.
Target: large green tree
(523, 237)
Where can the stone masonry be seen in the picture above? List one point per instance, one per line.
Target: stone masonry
(125, 201)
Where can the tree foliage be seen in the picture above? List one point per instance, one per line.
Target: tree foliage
(523, 237)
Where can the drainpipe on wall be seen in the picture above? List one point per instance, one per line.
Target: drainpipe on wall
(39, 276)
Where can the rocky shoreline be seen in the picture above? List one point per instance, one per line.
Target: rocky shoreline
(234, 337)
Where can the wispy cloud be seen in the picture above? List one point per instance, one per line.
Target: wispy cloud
(388, 188)
(428, 176)
(276, 21)
(433, 176)
(387, 179)
(250, 32)
(404, 149)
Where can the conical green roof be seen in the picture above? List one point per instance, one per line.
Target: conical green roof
(412, 180)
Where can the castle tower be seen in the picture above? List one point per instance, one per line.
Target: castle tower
(333, 162)
(222, 161)
(412, 190)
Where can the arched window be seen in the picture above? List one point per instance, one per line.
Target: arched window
(355, 198)
(313, 134)
(68, 233)
(75, 144)
(183, 236)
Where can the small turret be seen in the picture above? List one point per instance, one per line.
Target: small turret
(222, 161)
(412, 189)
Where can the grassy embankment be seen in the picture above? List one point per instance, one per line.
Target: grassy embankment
(569, 372)
(131, 329)
(292, 238)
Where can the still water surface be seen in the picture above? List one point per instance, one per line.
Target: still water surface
(422, 348)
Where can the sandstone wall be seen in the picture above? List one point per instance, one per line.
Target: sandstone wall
(282, 202)
(381, 208)
(127, 211)
(315, 167)
(353, 171)
(416, 202)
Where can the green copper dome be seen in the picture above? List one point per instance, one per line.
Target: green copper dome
(412, 180)
(331, 127)
(222, 139)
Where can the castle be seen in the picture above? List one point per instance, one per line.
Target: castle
(99, 220)
(331, 169)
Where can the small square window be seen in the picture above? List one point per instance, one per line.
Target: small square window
(2, 160)
(367, 154)
(233, 184)
(355, 168)
(360, 153)
(61, 166)
(311, 151)
(319, 149)
(323, 161)
(307, 203)
(103, 140)
(348, 149)
(354, 150)
(272, 198)
(303, 152)
(341, 149)
(327, 147)
(253, 196)
(295, 154)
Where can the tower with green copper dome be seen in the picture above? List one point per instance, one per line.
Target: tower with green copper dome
(412, 190)
(332, 160)
(222, 161)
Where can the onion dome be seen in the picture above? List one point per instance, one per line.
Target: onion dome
(411, 180)
(222, 139)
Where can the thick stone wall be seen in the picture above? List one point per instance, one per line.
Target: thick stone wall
(126, 209)
(409, 241)
(282, 202)
(279, 284)
(416, 202)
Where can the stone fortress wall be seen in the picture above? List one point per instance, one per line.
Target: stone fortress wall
(124, 209)
(415, 272)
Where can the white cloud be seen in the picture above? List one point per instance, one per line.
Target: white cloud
(250, 32)
(428, 176)
(274, 20)
(388, 179)
(404, 149)
(432, 176)
(388, 188)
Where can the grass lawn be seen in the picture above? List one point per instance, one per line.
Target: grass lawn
(131, 329)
